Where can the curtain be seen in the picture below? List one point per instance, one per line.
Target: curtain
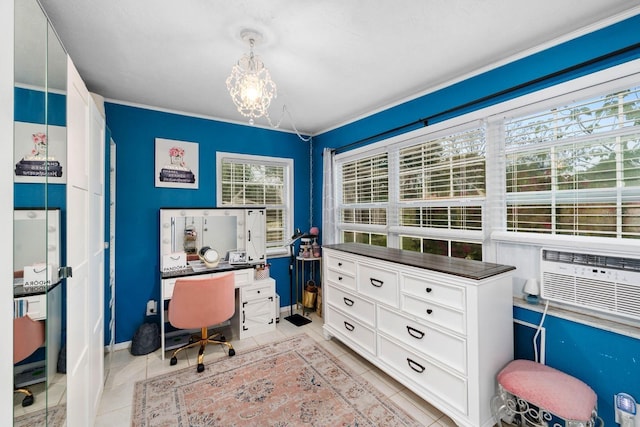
(329, 232)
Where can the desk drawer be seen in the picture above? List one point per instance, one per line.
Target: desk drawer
(35, 306)
(446, 348)
(354, 306)
(258, 291)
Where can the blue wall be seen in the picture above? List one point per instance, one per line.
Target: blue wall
(138, 200)
(608, 362)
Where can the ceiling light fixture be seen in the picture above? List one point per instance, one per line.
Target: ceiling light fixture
(250, 84)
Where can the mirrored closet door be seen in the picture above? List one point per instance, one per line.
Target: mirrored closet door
(39, 154)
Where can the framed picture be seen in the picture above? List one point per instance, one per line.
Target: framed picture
(176, 164)
(40, 153)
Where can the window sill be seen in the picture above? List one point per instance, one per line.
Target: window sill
(626, 327)
(585, 243)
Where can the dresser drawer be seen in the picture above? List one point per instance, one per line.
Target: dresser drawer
(425, 375)
(351, 329)
(341, 278)
(431, 290)
(434, 313)
(352, 305)
(334, 261)
(446, 348)
(378, 283)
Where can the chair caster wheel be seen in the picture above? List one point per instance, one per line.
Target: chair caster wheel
(27, 401)
(232, 352)
(200, 367)
(174, 361)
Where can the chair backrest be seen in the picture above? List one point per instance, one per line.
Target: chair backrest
(28, 335)
(199, 303)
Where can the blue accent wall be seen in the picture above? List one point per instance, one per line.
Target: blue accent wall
(608, 362)
(138, 200)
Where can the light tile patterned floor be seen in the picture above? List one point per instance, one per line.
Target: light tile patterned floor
(125, 370)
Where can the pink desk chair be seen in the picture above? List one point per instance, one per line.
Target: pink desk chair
(28, 336)
(533, 394)
(202, 303)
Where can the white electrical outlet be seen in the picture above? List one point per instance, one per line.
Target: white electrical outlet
(152, 307)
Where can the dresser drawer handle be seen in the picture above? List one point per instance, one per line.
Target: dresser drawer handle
(349, 327)
(376, 282)
(415, 333)
(348, 301)
(428, 290)
(429, 311)
(339, 278)
(339, 264)
(415, 366)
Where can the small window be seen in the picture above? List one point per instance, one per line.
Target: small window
(245, 181)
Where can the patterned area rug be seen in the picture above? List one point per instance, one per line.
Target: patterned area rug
(293, 382)
(53, 417)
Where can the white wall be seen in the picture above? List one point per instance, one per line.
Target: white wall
(6, 212)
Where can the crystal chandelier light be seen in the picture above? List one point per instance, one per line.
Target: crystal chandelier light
(250, 84)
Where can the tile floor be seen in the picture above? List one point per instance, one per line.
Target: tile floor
(125, 369)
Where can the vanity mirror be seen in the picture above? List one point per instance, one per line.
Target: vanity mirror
(224, 230)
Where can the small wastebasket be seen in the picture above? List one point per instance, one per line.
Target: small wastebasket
(309, 295)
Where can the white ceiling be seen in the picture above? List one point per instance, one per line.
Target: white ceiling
(332, 60)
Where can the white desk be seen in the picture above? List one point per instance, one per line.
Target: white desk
(255, 302)
(44, 305)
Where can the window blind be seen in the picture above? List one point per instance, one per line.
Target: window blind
(575, 169)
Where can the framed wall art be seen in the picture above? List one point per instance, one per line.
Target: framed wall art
(176, 164)
(40, 153)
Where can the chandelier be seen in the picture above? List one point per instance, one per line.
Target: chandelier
(250, 84)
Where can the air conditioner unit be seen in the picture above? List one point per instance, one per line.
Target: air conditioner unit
(605, 283)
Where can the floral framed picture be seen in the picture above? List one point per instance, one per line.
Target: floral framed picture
(40, 153)
(176, 164)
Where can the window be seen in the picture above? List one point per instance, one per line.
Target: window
(575, 169)
(365, 195)
(399, 197)
(245, 181)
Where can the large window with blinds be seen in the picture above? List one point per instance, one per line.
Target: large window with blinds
(401, 196)
(245, 181)
(575, 169)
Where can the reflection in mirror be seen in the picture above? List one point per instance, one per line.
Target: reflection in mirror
(37, 295)
(39, 113)
(219, 232)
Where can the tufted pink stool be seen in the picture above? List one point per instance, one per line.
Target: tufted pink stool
(536, 394)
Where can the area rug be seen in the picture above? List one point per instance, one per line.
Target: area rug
(53, 417)
(293, 382)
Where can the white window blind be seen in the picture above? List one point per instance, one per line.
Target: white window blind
(438, 174)
(575, 169)
(256, 181)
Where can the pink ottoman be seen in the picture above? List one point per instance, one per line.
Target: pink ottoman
(536, 394)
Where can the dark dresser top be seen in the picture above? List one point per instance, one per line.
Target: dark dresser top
(476, 270)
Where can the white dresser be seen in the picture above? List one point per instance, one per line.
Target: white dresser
(441, 326)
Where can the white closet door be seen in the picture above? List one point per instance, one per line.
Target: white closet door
(85, 250)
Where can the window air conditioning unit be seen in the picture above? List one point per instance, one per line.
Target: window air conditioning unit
(605, 283)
